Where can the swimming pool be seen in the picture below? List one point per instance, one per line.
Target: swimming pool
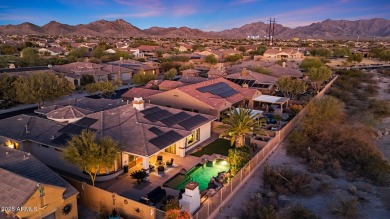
(201, 173)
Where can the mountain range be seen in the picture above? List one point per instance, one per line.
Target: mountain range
(327, 29)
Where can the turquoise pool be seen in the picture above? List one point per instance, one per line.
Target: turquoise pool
(200, 174)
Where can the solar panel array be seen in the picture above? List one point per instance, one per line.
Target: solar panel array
(250, 83)
(71, 129)
(156, 131)
(220, 89)
(242, 81)
(150, 110)
(166, 139)
(192, 122)
(86, 122)
(62, 139)
(158, 115)
(175, 118)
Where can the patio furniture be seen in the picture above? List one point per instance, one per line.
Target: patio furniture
(151, 168)
(170, 163)
(159, 161)
(157, 195)
(160, 169)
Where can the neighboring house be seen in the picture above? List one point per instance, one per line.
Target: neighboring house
(254, 80)
(29, 189)
(53, 51)
(142, 130)
(184, 48)
(110, 51)
(278, 71)
(190, 72)
(101, 72)
(289, 53)
(139, 92)
(169, 85)
(137, 53)
(212, 97)
(139, 67)
(216, 73)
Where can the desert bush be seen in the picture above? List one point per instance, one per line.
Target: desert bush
(346, 208)
(258, 208)
(380, 108)
(285, 180)
(299, 212)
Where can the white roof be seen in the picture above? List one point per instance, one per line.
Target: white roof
(270, 99)
(254, 112)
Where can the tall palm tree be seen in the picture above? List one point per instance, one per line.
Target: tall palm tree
(238, 123)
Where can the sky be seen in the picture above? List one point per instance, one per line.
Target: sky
(207, 15)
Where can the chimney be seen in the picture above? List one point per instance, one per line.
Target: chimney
(244, 73)
(280, 49)
(138, 103)
(245, 85)
(283, 64)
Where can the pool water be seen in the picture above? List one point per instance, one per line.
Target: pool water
(200, 174)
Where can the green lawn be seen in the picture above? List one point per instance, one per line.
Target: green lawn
(219, 146)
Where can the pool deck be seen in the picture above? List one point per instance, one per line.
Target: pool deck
(125, 186)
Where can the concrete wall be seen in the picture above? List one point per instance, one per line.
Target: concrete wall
(53, 202)
(103, 201)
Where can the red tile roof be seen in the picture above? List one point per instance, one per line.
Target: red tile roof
(140, 92)
(216, 101)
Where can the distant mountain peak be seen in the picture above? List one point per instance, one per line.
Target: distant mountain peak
(327, 29)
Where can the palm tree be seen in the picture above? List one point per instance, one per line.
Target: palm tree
(89, 154)
(238, 123)
(139, 175)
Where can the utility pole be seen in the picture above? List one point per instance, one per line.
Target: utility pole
(271, 31)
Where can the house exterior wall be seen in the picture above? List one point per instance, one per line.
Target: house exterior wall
(179, 100)
(205, 133)
(53, 202)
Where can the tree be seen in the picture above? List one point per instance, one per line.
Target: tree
(238, 157)
(355, 57)
(308, 63)
(139, 175)
(41, 86)
(242, 49)
(260, 51)
(89, 154)
(211, 59)
(30, 55)
(106, 88)
(7, 87)
(290, 87)
(320, 52)
(238, 123)
(177, 214)
(169, 75)
(143, 78)
(317, 76)
(341, 52)
(384, 55)
(78, 53)
(86, 79)
(233, 58)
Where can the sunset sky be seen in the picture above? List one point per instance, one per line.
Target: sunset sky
(203, 14)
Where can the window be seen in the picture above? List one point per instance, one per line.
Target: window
(171, 149)
(116, 164)
(193, 138)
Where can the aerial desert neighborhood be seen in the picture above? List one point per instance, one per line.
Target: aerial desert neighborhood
(165, 109)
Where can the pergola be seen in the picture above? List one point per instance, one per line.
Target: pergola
(274, 100)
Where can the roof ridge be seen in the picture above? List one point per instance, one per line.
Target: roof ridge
(142, 132)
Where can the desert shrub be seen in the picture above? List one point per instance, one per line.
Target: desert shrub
(258, 208)
(285, 180)
(380, 108)
(299, 212)
(346, 208)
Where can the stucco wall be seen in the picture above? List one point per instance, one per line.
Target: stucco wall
(205, 133)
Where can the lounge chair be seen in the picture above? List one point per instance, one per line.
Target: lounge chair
(169, 164)
(151, 168)
(160, 169)
(156, 195)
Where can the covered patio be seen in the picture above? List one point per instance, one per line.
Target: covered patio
(264, 102)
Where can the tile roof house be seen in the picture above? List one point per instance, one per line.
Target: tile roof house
(289, 53)
(142, 130)
(31, 189)
(139, 92)
(209, 97)
(254, 80)
(101, 72)
(190, 72)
